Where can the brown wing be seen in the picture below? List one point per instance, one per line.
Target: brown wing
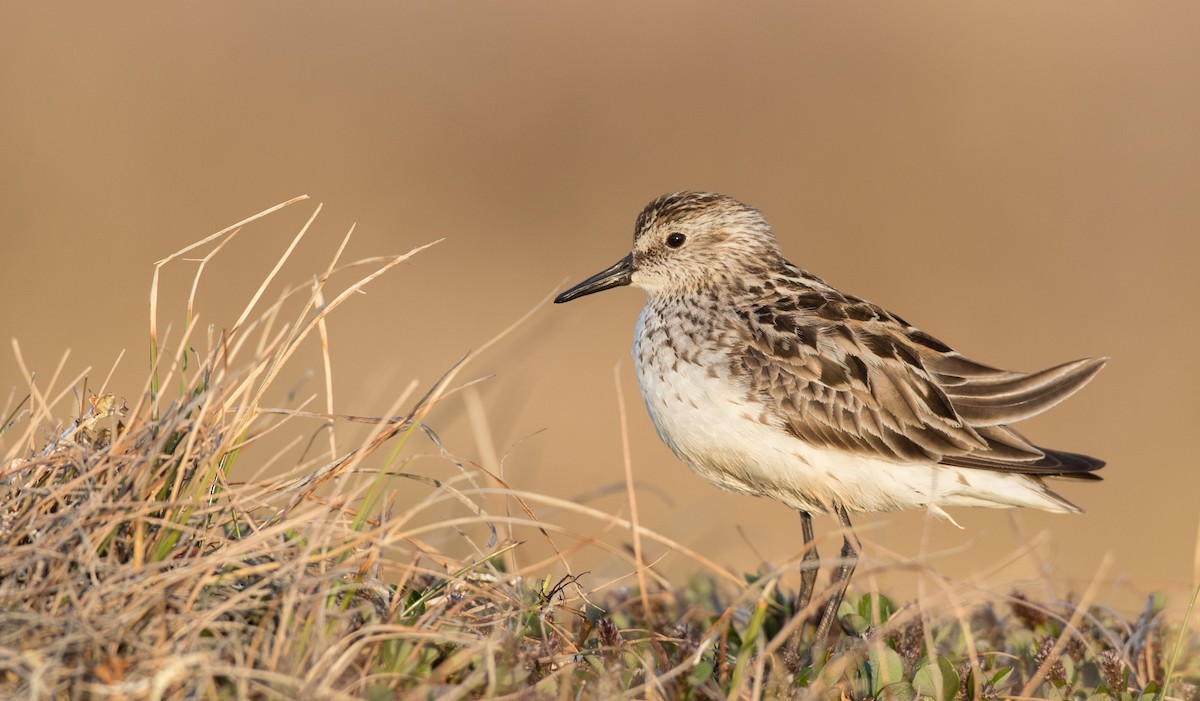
(846, 374)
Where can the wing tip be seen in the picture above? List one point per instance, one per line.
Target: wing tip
(1091, 366)
(1075, 373)
(1073, 465)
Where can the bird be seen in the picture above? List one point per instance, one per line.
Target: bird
(765, 380)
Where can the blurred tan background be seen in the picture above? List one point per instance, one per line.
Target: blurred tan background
(1022, 180)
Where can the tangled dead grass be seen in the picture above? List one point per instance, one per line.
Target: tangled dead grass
(144, 554)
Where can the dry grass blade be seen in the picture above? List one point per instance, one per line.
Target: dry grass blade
(191, 547)
(631, 494)
(1071, 629)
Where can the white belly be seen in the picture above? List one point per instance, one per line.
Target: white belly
(727, 438)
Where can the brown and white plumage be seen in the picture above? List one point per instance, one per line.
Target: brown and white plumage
(767, 381)
(846, 374)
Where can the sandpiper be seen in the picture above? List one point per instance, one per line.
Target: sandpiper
(767, 381)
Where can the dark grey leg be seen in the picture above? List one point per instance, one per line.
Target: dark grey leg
(850, 550)
(809, 565)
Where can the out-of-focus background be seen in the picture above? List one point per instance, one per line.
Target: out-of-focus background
(1020, 179)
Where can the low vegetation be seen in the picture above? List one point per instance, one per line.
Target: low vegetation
(148, 551)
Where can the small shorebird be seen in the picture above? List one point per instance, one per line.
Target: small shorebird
(766, 381)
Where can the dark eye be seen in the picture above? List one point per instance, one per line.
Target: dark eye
(676, 239)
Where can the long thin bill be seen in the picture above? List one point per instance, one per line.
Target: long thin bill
(616, 275)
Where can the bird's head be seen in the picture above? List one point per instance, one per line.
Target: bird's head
(685, 242)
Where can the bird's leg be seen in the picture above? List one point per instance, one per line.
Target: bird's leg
(808, 564)
(850, 549)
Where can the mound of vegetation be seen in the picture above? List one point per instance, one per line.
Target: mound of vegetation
(143, 555)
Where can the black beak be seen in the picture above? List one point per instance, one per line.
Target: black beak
(615, 275)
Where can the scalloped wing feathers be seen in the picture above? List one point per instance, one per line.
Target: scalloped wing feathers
(846, 374)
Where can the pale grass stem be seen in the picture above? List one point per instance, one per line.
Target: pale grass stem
(203, 545)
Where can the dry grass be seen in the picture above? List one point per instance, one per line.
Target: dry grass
(149, 552)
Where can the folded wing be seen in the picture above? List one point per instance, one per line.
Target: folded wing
(846, 374)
